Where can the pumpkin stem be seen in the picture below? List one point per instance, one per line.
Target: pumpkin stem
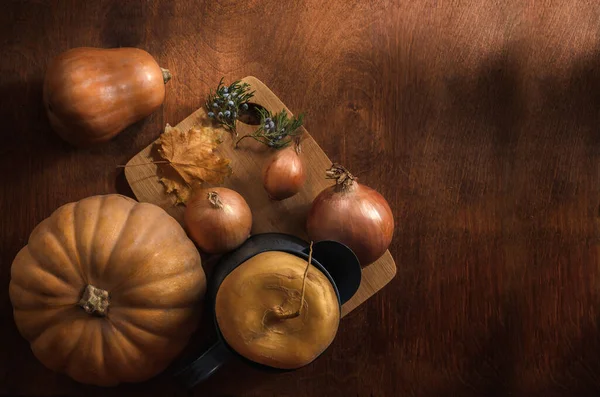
(94, 300)
(166, 75)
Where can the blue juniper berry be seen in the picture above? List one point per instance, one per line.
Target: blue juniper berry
(224, 103)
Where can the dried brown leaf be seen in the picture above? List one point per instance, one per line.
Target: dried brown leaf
(192, 159)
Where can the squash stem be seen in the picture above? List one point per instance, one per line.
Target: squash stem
(94, 300)
(166, 75)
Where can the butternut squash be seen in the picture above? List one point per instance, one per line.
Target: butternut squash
(92, 94)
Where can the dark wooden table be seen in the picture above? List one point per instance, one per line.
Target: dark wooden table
(479, 123)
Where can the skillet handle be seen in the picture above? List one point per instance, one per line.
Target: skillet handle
(341, 263)
(204, 366)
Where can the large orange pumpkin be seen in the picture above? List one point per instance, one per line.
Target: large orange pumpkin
(107, 290)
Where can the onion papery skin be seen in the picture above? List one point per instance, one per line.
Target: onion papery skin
(355, 215)
(283, 174)
(217, 229)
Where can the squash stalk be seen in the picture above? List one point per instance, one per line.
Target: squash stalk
(166, 75)
(94, 301)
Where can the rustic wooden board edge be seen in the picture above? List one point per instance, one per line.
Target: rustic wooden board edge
(375, 276)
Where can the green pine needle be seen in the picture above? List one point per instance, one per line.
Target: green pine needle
(276, 130)
(224, 104)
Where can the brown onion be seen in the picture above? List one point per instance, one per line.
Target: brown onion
(352, 214)
(218, 219)
(283, 174)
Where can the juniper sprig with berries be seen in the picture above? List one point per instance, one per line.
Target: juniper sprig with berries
(276, 130)
(224, 105)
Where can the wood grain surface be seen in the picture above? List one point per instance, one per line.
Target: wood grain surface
(477, 120)
(285, 216)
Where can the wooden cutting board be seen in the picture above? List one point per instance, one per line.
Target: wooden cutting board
(287, 216)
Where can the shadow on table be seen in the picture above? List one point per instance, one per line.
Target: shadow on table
(122, 186)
